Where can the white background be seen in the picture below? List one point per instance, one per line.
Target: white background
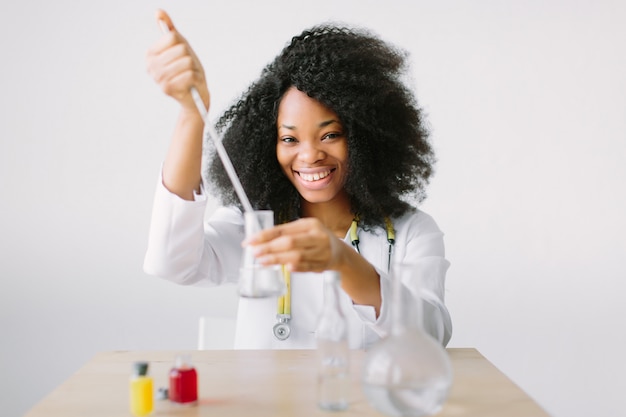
(527, 105)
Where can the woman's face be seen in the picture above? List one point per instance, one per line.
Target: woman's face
(311, 147)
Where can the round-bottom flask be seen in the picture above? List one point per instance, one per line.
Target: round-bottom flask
(407, 373)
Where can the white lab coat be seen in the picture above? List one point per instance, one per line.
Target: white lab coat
(182, 248)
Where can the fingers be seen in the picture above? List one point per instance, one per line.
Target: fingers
(300, 242)
(304, 245)
(164, 21)
(174, 69)
(292, 228)
(173, 62)
(309, 260)
(174, 66)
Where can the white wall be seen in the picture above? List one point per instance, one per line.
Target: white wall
(527, 102)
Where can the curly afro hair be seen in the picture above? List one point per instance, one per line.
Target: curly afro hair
(359, 77)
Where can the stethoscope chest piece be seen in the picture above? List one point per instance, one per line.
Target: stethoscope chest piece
(282, 329)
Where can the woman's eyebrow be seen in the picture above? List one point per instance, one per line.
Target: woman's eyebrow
(322, 124)
(328, 122)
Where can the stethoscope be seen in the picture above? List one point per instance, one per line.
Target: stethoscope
(283, 315)
(282, 330)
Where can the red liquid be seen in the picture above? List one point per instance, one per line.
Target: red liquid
(183, 385)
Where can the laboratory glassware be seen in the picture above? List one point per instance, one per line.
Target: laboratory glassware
(407, 372)
(333, 380)
(257, 280)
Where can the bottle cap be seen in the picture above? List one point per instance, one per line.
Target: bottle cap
(183, 361)
(141, 368)
(163, 393)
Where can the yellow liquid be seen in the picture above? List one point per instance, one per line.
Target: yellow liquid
(141, 396)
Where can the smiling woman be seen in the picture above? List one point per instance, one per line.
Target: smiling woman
(312, 151)
(332, 142)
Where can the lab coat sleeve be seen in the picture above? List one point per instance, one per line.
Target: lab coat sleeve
(418, 241)
(425, 248)
(184, 250)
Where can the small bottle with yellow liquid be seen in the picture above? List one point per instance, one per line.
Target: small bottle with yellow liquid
(141, 394)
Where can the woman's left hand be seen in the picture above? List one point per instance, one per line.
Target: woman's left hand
(306, 245)
(302, 245)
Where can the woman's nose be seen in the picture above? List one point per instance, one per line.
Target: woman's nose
(310, 152)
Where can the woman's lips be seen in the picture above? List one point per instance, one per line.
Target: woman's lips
(309, 177)
(315, 180)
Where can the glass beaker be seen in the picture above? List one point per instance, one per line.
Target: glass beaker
(256, 280)
(407, 373)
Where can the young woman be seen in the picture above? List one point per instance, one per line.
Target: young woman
(333, 142)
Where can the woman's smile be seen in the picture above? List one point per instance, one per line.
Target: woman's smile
(314, 177)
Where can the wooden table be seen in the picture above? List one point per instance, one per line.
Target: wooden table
(272, 383)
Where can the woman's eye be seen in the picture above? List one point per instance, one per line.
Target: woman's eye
(288, 139)
(332, 136)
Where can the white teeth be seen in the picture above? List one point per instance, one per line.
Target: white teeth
(314, 177)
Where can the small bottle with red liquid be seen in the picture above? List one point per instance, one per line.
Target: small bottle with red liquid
(183, 382)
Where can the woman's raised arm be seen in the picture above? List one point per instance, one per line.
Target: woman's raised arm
(175, 67)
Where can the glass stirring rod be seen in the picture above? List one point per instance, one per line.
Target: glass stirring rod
(217, 141)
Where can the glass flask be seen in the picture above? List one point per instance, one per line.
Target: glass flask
(256, 280)
(406, 373)
(333, 378)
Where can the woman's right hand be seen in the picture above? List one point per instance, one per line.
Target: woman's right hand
(175, 67)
